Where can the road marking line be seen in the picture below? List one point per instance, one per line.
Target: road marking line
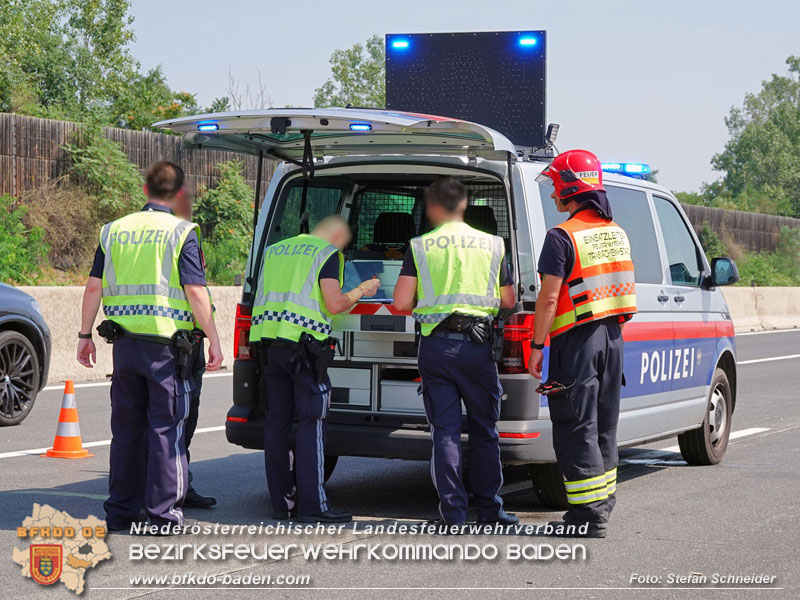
(770, 359)
(666, 454)
(57, 493)
(60, 387)
(36, 451)
(768, 331)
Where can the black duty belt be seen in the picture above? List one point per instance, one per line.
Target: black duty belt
(450, 335)
(280, 344)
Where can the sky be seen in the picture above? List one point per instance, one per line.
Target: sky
(643, 81)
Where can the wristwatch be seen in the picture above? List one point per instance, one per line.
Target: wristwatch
(536, 346)
(84, 336)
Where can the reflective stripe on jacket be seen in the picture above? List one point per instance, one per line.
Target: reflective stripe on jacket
(142, 291)
(458, 271)
(288, 297)
(601, 282)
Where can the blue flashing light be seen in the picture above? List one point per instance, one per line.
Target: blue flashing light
(527, 41)
(630, 169)
(207, 127)
(360, 127)
(400, 44)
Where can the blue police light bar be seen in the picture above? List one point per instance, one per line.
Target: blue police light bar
(630, 169)
(527, 41)
(400, 44)
(207, 127)
(360, 127)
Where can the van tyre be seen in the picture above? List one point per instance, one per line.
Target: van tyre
(548, 483)
(19, 377)
(708, 444)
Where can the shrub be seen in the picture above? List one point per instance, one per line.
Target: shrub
(103, 169)
(68, 216)
(226, 220)
(711, 242)
(22, 249)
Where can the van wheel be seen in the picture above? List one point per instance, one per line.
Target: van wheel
(708, 444)
(330, 465)
(548, 483)
(19, 377)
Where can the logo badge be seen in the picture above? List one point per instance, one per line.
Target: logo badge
(46, 561)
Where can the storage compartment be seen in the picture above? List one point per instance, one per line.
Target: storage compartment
(350, 388)
(401, 396)
(383, 345)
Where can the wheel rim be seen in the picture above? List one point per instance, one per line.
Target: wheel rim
(717, 416)
(16, 379)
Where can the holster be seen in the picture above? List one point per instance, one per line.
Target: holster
(315, 355)
(110, 331)
(497, 340)
(186, 343)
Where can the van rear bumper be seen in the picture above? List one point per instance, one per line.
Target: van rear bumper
(377, 441)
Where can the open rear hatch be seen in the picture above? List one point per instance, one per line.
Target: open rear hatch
(291, 133)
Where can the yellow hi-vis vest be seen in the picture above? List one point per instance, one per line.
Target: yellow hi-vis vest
(288, 297)
(458, 271)
(142, 291)
(601, 283)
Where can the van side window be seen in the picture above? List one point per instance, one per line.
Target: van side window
(631, 211)
(321, 201)
(685, 267)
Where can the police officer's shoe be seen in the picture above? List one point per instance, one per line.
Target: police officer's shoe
(332, 515)
(503, 518)
(283, 515)
(195, 500)
(574, 530)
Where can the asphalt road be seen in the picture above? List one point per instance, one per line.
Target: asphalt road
(740, 517)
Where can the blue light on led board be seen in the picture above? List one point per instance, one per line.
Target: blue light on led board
(207, 127)
(527, 41)
(360, 127)
(630, 169)
(400, 44)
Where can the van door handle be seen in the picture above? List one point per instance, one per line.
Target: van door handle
(679, 299)
(663, 298)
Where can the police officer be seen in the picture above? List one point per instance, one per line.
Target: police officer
(586, 296)
(299, 288)
(183, 207)
(460, 280)
(148, 272)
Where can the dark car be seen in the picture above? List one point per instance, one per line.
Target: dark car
(24, 354)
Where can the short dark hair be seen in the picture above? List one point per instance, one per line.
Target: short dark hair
(164, 180)
(447, 192)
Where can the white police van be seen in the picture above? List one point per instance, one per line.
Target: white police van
(371, 166)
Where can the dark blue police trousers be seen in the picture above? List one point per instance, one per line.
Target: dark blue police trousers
(149, 406)
(454, 370)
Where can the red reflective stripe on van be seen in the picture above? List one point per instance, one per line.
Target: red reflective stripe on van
(685, 330)
(679, 330)
(532, 435)
(238, 419)
(645, 332)
(372, 308)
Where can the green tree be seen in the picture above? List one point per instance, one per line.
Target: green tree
(761, 160)
(22, 249)
(358, 77)
(147, 99)
(225, 215)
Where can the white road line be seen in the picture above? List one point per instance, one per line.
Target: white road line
(770, 359)
(665, 453)
(768, 331)
(36, 451)
(60, 387)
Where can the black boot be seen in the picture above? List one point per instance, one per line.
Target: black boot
(503, 518)
(332, 515)
(195, 500)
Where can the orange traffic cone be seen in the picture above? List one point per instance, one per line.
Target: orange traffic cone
(68, 442)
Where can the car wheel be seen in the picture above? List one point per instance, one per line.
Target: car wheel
(19, 377)
(330, 465)
(548, 483)
(708, 444)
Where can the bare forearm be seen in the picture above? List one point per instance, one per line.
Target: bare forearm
(201, 309)
(339, 304)
(92, 295)
(545, 314)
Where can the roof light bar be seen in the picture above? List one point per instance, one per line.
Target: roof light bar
(527, 41)
(629, 169)
(400, 44)
(207, 127)
(360, 127)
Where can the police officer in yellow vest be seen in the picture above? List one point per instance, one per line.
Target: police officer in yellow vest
(299, 289)
(148, 271)
(455, 279)
(587, 294)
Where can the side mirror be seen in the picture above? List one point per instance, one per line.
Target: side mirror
(724, 271)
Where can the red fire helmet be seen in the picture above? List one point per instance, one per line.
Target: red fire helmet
(573, 172)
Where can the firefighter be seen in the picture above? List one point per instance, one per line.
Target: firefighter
(460, 280)
(586, 296)
(299, 288)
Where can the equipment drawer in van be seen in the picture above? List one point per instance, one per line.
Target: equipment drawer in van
(383, 345)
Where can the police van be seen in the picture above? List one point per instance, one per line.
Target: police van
(371, 167)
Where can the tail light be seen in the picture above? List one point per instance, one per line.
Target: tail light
(241, 333)
(517, 343)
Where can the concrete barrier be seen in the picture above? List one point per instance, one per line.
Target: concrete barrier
(763, 308)
(62, 311)
(752, 309)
